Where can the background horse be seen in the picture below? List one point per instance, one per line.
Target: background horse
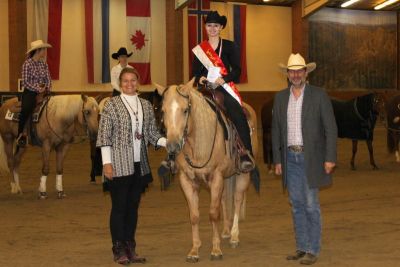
(62, 118)
(197, 138)
(356, 120)
(266, 120)
(95, 153)
(393, 125)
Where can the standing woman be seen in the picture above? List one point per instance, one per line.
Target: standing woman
(35, 80)
(126, 127)
(223, 71)
(122, 57)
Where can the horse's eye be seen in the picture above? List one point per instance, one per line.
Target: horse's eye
(186, 111)
(86, 112)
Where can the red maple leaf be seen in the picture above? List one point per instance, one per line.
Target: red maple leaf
(138, 39)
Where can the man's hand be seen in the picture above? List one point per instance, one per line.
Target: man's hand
(108, 171)
(278, 169)
(329, 167)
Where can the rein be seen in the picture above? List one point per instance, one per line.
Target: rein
(185, 133)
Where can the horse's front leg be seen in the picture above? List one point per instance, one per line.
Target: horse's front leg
(396, 143)
(227, 220)
(190, 189)
(46, 148)
(354, 150)
(61, 150)
(242, 183)
(371, 155)
(216, 187)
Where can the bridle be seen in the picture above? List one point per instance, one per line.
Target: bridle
(185, 132)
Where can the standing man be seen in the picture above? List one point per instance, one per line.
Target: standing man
(304, 136)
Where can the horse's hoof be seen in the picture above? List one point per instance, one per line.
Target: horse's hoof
(42, 195)
(216, 257)
(61, 194)
(192, 259)
(234, 244)
(375, 168)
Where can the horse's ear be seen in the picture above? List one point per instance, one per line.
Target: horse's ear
(159, 89)
(84, 97)
(190, 83)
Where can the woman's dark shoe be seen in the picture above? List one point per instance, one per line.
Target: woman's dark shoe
(299, 254)
(119, 251)
(21, 140)
(131, 253)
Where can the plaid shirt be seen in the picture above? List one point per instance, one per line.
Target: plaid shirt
(295, 136)
(34, 74)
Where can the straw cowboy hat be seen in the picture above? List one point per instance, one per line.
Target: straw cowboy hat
(121, 52)
(38, 44)
(297, 62)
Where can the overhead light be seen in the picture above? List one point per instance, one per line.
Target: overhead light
(266, 1)
(349, 3)
(385, 4)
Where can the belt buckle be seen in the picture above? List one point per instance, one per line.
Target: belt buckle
(296, 148)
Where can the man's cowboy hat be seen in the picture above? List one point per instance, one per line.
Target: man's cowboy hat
(38, 44)
(297, 62)
(214, 17)
(121, 52)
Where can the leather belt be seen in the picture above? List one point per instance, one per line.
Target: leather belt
(296, 148)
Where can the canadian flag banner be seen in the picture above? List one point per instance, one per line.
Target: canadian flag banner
(138, 37)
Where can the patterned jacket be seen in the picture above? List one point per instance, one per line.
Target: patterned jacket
(115, 130)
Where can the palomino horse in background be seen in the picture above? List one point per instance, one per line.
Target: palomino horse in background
(95, 153)
(393, 125)
(356, 120)
(196, 137)
(62, 118)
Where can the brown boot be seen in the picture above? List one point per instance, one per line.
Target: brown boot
(309, 259)
(131, 253)
(119, 252)
(299, 254)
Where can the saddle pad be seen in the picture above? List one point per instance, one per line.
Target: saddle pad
(14, 116)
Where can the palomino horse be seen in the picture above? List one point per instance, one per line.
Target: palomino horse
(62, 118)
(197, 139)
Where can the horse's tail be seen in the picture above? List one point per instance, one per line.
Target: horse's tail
(391, 146)
(3, 158)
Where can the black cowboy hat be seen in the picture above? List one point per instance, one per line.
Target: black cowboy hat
(121, 52)
(214, 17)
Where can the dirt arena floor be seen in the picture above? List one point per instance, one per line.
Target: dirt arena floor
(361, 218)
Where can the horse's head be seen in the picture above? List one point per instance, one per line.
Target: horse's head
(176, 106)
(89, 116)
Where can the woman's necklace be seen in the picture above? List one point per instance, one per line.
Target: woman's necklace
(138, 136)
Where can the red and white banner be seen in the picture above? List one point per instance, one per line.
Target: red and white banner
(47, 27)
(138, 24)
(209, 58)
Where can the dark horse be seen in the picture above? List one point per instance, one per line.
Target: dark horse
(356, 120)
(266, 120)
(95, 153)
(393, 125)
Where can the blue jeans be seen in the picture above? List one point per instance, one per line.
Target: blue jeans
(305, 205)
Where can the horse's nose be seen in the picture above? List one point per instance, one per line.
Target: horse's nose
(173, 147)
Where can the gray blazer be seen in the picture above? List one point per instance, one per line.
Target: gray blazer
(319, 134)
(115, 130)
